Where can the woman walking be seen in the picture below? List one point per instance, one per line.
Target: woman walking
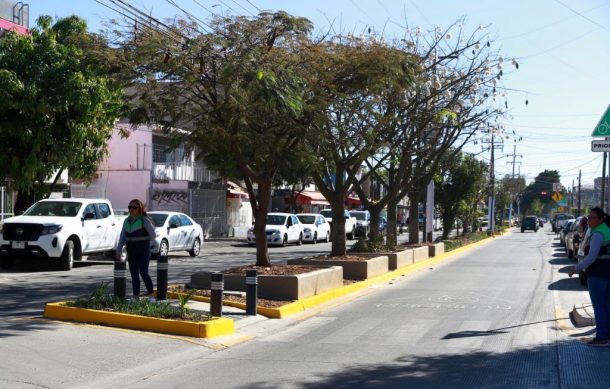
(596, 264)
(136, 235)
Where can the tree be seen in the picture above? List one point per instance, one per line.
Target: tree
(235, 92)
(542, 189)
(57, 105)
(456, 187)
(352, 81)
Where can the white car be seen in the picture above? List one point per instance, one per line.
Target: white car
(281, 229)
(175, 232)
(315, 227)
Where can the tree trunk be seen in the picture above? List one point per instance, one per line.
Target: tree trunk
(25, 198)
(413, 218)
(338, 229)
(391, 228)
(263, 197)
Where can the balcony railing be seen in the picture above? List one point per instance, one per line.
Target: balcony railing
(195, 172)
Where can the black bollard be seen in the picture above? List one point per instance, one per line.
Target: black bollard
(251, 291)
(162, 270)
(217, 286)
(120, 279)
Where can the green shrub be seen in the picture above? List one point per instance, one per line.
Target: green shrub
(101, 301)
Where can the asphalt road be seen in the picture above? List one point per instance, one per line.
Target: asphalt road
(486, 318)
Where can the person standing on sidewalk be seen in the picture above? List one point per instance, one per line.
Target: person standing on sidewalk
(136, 234)
(596, 264)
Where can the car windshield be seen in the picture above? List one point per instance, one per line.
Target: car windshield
(158, 218)
(307, 219)
(358, 215)
(326, 213)
(276, 220)
(54, 208)
(530, 219)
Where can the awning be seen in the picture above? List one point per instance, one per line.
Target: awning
(234, 191)
(6, 25)
(312, 198)
(352, 201)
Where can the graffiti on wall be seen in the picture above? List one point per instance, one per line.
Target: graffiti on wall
(176, 200)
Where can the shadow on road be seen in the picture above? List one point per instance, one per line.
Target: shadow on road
(524, 367)
(566, 284)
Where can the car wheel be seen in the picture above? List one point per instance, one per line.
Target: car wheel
(351, 235)
(327, 236)
(315, 238)
(300, 241)
(196, 248)
(67, 256)
(6, 262)
(251, 244)
(285, 241)
(164, 247)
(522, 230)
(570, 254)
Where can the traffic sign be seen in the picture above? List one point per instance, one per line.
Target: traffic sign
(560, 209)
(603, 127)
(557, 196)
(563, 202)
(600, 145)
(556, 186)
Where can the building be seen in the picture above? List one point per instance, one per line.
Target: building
(144, 166)
(14, 15)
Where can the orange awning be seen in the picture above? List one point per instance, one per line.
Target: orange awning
(312, 197)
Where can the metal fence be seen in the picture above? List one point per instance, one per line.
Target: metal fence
(208, 207)
(6, 203)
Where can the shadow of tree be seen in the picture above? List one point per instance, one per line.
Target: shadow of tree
(534, 367)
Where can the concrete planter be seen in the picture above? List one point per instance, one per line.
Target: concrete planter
(352, 270)
(436, 249)
(284, 287)
(209, 329)
(420, 253)
(396, 259)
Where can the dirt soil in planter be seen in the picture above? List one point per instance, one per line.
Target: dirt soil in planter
(280, 270)
(262, 302)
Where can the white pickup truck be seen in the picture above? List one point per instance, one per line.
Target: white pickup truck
(350, 222)
(60, 230)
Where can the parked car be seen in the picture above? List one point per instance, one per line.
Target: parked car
(60, 230)
(529, 223)
(175, 232)
(363, 223)
(574, 236)
(563, 232)
(281, 229)
(560, 220)
(315, 227)
(350, 222)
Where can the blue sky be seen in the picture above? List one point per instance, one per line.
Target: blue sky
(562, 47)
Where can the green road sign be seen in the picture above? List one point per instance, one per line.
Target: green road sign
(603, 127)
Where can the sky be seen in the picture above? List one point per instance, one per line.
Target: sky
(556, 97)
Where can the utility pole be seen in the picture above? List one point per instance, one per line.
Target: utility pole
(603, 196)
(579, 172)
(514, 155)
(572, 198)
(491, 213)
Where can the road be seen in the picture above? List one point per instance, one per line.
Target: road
(486, 318)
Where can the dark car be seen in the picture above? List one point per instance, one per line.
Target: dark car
(529, 223)
(575, 235)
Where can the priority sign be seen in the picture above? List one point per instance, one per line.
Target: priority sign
(600, 145)
(603, 127)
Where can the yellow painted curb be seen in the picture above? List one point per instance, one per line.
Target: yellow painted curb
(209, 329)
(313, 301)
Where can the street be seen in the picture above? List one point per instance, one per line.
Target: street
(486, 318)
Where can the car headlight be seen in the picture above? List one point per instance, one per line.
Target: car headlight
(275, 232)
(51, 229)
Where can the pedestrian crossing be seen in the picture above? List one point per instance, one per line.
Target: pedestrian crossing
(452, 335)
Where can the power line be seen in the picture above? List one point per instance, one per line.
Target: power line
(258, 9)
(583, 16)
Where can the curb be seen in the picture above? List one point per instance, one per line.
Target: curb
(313, 301)
(210, 329)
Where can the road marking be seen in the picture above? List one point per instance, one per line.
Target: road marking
(297, 330)
(352, 331)
(409, 334)
(471, 334)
